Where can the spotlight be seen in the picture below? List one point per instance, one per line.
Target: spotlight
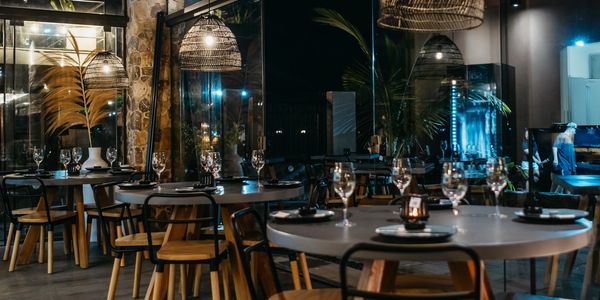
(580, 43)
(515, 3)
(244, 93)
(218, 93)
(439, 55)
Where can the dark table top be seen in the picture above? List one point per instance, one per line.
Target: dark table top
(580, 183)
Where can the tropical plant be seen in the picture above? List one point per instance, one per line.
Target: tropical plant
(67, 102)
(65, 5)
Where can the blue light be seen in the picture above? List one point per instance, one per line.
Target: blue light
(580, 43)
(244, 93)
(218, 93)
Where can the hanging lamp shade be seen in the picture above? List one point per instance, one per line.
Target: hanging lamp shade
(105, 71)
(209, 46)
(439, 58)
(430, 15)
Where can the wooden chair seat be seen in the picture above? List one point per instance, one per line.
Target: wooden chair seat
(24, 211)
(190, 250)
(139, 240)
(114, 213)
(41, 216)
(316, 294)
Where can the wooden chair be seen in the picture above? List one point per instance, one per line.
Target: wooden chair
(44, 217)
(372, 250)
(208, 248)
(111, 215)
(263, 245)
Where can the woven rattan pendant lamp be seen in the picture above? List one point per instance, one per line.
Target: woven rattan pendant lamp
(209, 46)
(105, 71)
(430, 15)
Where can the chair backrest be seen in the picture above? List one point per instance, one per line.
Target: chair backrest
(558, 200)
(241, 219)
(457, 253)
(318, 194)
(104, 204)
(513, 198)
(18, 188)
(159, 221)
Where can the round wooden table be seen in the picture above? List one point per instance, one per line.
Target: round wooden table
(231, 197)
(75, 185)
(491, 238)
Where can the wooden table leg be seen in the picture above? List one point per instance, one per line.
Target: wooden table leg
(378, 276)
(81, 234)
(463, 274)
(33, 234)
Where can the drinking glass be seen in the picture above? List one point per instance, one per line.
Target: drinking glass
(258, 162)
(496, 179)
(111, 155)
(401, 174)
(454, 183)
(343, 184)
(205, 160)
(159, 162)
(444, 148)
(76, 153)
(215, 164)
(65, 158)
(38, 156)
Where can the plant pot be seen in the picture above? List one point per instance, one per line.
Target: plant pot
(94, 158)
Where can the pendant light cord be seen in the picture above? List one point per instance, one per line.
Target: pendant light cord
(372, 61)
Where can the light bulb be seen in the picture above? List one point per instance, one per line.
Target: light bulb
(439, 55)
(209, 40)
(105, 67)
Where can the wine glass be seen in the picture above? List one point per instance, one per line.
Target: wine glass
(38, 156)
(496, 179)
(65, 159)
(401, 174)
(76, 153)
(111, 155)
(159, 162)
(444, 148)
(343, 184)
(454, 183)
(215, 164)
(205, 161)
(258, 162)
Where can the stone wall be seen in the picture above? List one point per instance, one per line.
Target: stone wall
(140, 53)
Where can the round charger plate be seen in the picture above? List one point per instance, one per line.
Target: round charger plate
(292, 215)
(137, 186)
(439, 205)
(430, 234)
(191, 189)
(282, 184)
(553, 215)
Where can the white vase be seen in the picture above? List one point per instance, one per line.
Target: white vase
(94, 158)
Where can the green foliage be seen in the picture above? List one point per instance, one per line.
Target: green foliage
(65, 5)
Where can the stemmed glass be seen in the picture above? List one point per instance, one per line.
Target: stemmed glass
(343, 184)
(205, 160)
(76, 153)
(454, 183)
(401, 174)
(65, 158)
(38, 156)
(159, 162)
(111, 155)
(215, 164)
(444, 147)
(496, 180)
(258, 162)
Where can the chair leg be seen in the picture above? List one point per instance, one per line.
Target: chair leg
(119, 235)
(66, 242)
(7, 244)
(111, 236)
(41, 246)
(15, 250)
(50, 251)
(569, 263)
(158, 283)
(88, 230)
(171, 285)
(197, 278)
(305, 272)
(214, 285)
(114, 277)
(102, 238)
(137, 274)
(295, 274)
(225, 271)
(182, 281)
(74, 242)
(141, 230)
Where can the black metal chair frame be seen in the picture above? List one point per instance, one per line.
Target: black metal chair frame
(373, 248)
(213, 219)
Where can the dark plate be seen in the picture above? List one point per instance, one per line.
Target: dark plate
(137, 186)
(439, 204)
(101, 169)
(292, 215)
(122, 172)
(553, 216)
(282, 184)
(191, 189)
(232, 179)
(430, 234)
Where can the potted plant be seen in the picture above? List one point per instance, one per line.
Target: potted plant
(68, 103)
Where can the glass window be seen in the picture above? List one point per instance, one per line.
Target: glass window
(109, 7)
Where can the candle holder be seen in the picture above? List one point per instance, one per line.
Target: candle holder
(414, 213)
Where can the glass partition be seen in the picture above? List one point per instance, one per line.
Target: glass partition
(110, 7)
